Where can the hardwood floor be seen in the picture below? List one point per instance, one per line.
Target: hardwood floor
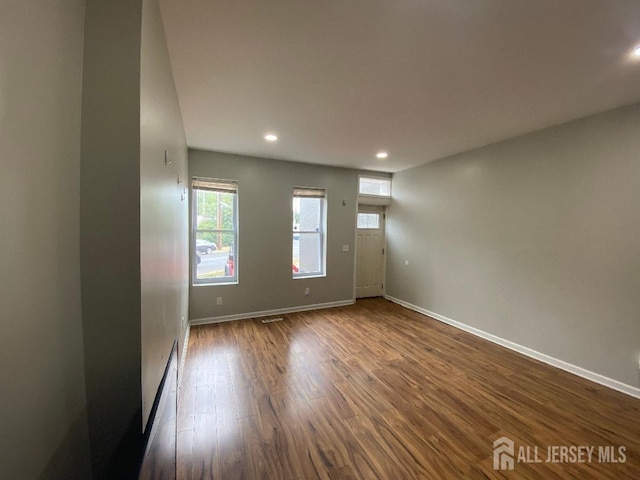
(376, 391)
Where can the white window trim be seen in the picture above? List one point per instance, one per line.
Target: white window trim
(195, 282)
(323, 238)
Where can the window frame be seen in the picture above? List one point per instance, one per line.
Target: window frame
(224, 280)
(322, 230)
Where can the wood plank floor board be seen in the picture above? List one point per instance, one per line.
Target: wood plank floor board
(328, 429)
(184, 451)
(396, 431)
(186, 408)
(376, 391)
(204, 451)
(229, 444)
(246, 400)
(256, 464)
(384, 456)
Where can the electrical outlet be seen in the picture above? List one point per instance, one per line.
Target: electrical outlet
(219, 301)
(345, 248)
(307, 291)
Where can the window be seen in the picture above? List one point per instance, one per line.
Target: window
(308, 232)
(368, 221)
(380, 187)
(215, 231)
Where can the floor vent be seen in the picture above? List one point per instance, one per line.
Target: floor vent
(271, 320)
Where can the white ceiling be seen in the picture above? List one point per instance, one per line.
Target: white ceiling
(339, 80)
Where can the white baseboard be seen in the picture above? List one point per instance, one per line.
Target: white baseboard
(183, 357)
(581, 372)
(267, 313)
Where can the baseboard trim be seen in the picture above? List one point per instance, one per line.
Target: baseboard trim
(554, 362)
(266, 313)
(183, 357)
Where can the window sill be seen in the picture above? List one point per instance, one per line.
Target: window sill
(213, 284)
(304, 277)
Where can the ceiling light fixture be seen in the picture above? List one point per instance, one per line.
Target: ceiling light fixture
(382, 155)
(636, 51)
(270, 137)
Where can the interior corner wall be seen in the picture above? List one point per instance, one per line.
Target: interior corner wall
(110, 234)
(534, 240)
(43, 404)
(265, 192)
(164, 221)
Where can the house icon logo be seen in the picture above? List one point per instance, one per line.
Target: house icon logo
(503, 454)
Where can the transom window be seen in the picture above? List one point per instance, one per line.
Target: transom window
(215, 231)
(308, 252)
(379, 187)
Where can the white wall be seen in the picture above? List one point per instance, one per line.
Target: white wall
(43, 420)
(535, 240)
(164, 221)
(264, 252)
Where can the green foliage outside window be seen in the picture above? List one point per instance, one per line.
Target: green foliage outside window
(215, 212)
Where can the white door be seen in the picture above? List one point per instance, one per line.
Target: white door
(370, 252)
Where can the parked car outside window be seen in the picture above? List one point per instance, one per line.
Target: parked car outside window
(205, 246)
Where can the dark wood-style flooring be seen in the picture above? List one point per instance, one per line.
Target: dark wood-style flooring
(376, 391)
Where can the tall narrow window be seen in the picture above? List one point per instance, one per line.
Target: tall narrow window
(308, 232)
(215, 231)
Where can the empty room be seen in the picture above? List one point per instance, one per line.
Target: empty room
(320, 240)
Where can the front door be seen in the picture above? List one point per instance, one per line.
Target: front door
(370, 252)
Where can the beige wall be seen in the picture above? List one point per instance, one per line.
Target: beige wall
(264, 252)
(164, 221)
(535, 240)
(43, 406)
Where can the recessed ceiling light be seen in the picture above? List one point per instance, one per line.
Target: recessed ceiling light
(382, 155)
(270, 137)
(636, 51)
